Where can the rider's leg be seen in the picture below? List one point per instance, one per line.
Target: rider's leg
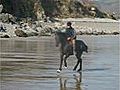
(73, 42)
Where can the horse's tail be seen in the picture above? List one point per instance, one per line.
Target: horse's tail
(83, 46)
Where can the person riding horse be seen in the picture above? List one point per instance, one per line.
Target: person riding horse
(71, 36)
(67, 42)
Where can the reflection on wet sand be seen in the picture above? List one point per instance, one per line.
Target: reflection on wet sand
(64, 83)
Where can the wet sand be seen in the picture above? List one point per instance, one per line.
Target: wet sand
(31, 64)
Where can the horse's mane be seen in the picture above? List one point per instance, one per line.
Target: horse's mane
(61, 37)
(63, 34)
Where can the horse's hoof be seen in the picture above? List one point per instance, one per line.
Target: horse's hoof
(74, 69)
(58, 71)
(65, 67)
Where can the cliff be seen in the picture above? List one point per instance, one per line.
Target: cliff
(38, 9)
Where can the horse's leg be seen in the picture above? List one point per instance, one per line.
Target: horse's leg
(65, 63)
(76, 65)
(61, 62)
(80, 65)
(79, 61)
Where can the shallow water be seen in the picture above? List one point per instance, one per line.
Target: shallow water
(31, 64)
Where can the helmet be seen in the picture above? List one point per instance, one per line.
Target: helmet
(69, 23)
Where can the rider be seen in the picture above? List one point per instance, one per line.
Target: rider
(71, 35)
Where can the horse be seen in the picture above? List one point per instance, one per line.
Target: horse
(65, 50)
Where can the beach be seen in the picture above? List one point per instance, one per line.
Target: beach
(31, 64)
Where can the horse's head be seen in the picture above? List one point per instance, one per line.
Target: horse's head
(60, 38)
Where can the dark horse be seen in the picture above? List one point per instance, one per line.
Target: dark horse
(65, 49)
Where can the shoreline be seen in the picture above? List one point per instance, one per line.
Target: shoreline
(83, 26)
(36, 38)
(98, 20)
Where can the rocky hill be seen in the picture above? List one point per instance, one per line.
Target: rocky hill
(38, 9)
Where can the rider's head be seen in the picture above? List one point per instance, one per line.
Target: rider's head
(69, 24)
